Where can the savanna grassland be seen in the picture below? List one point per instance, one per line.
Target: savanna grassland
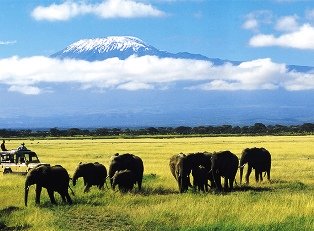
(287, 203)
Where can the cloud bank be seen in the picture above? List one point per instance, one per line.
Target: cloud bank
(105, 9)
(291, 31)
(28, 75)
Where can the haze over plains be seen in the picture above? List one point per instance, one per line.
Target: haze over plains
(37, 90)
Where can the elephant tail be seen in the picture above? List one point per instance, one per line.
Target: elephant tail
(71, 191)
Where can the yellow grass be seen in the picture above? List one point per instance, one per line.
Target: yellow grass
(287, 202)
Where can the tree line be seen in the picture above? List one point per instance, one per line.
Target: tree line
(256, 129)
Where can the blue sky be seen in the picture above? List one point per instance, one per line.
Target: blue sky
(267, 35)
(224, 29)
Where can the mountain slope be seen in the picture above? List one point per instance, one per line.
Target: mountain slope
(123, 47)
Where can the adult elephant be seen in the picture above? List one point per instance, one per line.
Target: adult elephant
(258, 159)
(180, 171)
(224, 164)
(200, 165)
(92, 173)
(53, 178)
(125, 179)
(127, 161)
(182, 165)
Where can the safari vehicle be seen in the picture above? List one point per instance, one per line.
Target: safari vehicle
(19, 160)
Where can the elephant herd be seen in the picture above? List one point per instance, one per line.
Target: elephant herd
(126, 170)
(211, 167)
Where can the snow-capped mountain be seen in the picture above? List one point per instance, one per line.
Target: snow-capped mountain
(121, 47)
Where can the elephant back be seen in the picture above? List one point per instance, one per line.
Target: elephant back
(225, 163)
(126, 161)
(256, 157)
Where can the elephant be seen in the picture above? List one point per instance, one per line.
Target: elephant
(257, 158)
(127, 161)
(179, 172)
(200, 175)
(92, 173)
(182, 165)
(53, 178)
(223, 164)
(200, 178)
(125, 179)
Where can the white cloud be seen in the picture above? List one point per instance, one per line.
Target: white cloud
(303, 38)
(27, 75)
(250, 24)
(287, 23)
(27, 90)
(7, 42)
(255, 19)
(105, 9)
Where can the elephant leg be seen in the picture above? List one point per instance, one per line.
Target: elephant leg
(261, 176)
(226, 184)
(231, 180)
(218, 182)
(67, 196)
(247, 176)
(139, 183)
(38, 192)
(87, 187)
(63, 197)
(51, 196)
(268, 175)
(257, 175)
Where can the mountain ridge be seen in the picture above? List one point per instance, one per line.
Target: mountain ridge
(122, 47)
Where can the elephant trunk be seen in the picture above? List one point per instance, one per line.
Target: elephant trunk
(75, 177)
(26, 192)
(241, 173)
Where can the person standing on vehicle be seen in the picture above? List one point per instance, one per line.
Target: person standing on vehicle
(3, 146)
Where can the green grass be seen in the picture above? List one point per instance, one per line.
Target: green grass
(287, 203)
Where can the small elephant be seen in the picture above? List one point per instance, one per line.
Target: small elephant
(125, 179)
(257, 158)
(181, 166)
(200, 178)
(224, 164)
(92, 173)
(53, 178)
(127, 161)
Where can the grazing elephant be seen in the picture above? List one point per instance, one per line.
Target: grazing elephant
(53, 178)
(125, 179)
(257, 158)
(92, 173)
(127, 162)
(224, 164)
(200, 178)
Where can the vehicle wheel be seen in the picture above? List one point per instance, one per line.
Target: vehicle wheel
(7, 171)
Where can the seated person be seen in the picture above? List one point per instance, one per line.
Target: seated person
(3, 146)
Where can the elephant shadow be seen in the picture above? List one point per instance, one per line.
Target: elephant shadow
(148, 191)
(7, 212)
(245, 188)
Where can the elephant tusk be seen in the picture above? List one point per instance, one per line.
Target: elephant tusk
(242, 166)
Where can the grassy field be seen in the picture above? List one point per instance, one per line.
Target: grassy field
(287, 203)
